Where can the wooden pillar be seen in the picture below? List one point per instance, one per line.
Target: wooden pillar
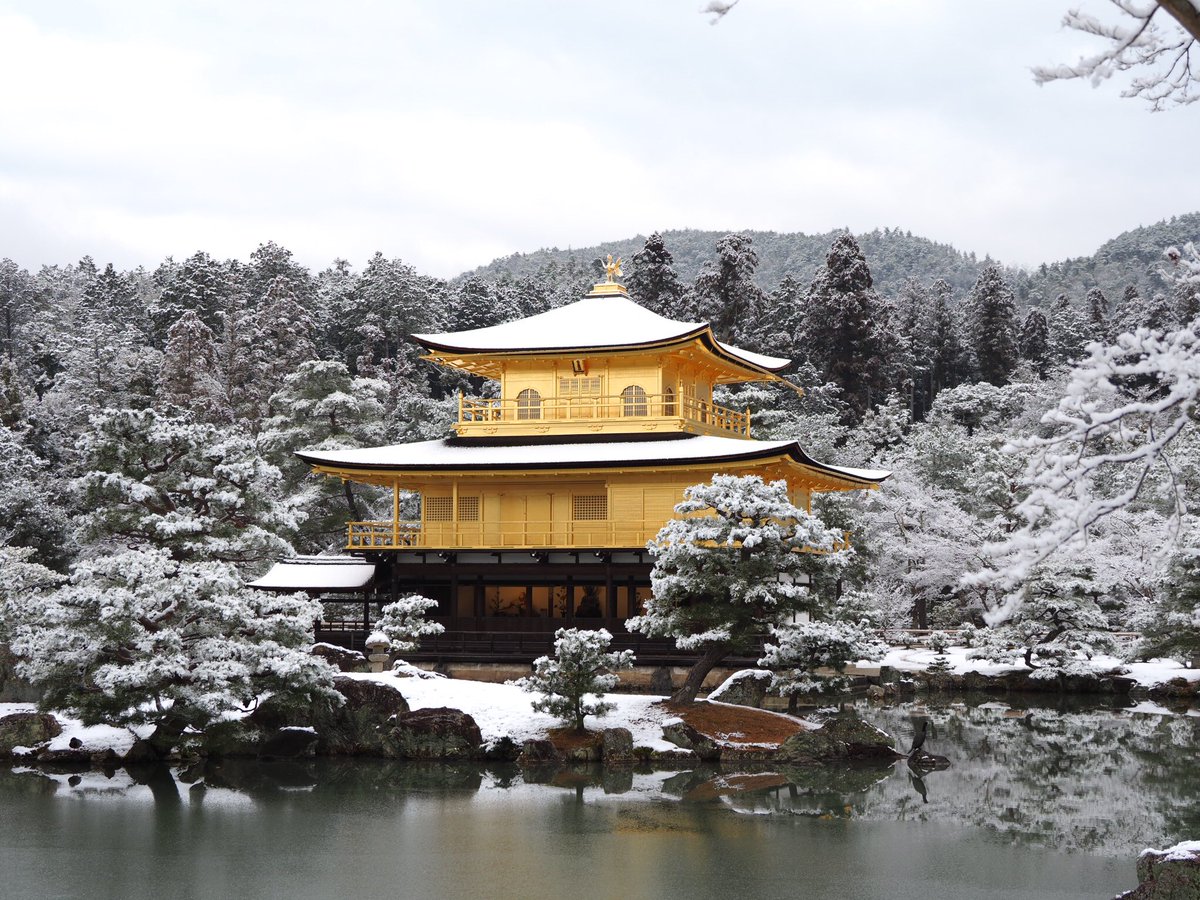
(479, 599)
(570, 610)
(610, 593)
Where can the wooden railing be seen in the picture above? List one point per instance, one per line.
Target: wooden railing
(606, 408)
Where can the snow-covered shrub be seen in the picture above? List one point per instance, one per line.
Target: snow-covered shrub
(968, 634)
(141, 639)
(938, 641)
(802, 648)
(580, 667)
(403, 623)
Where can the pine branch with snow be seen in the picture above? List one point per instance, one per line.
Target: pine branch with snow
(403, 622)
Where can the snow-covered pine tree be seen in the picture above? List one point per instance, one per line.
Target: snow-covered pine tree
(187, 380)
(799, 649)
(142, 639)
(199, 284)
(1068, 331)
(320, 407)
(725, 294)
(992, 326)
(1034, 344)
(281, 339)
(200, 491)
(846, 330)
(729, 566)
(581, 667)
(403, 622)
(1174, 628)
(1099, 320)
(652, 281)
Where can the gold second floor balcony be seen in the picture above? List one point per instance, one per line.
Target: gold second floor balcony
(507, 535)
(629, 412)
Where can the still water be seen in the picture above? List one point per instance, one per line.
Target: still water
(1045, 803)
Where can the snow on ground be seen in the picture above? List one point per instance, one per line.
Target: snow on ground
(918, 659)
(93, 737)
(501, 709)
(1182, 851)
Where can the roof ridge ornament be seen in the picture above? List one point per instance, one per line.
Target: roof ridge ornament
(610, 286)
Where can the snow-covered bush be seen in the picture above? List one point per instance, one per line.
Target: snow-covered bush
(141, 639)
(800, 649)
(1055, 630)
(938, 641)
(731, 565)
(403, 623)
(581, 667)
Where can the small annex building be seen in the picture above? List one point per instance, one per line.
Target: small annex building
(536, 512)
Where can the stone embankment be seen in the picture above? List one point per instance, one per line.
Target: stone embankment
(375, 721)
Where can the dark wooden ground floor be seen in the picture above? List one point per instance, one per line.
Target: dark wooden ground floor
(506, 606)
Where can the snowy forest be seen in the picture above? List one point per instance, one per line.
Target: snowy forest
(158, 411)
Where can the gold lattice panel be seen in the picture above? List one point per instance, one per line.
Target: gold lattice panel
(468, 509)
(438, 509)
(589, 507)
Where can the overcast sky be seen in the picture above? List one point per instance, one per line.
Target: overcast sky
(450, 132)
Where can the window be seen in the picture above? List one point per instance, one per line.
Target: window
(437, 509)
(529, 404)
(468, 509)
(589, 507)
(668, 401)
(579, 387)
(633, 399)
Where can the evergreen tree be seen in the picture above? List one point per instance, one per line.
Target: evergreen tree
(186, 380)
(196, 490)
(16, 296)
(1099, 325)
(476, 304)
(846, 329)
(581, 667)
(1067, 332)
(652, 281)
(947, 350)
(992, 327)
(200, 284)
(1174, 629)
(139, 638)
(1035, 341)
(730, 566)
(725, 293)
(282, 339)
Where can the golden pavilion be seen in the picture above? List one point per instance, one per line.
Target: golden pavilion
(536, 513)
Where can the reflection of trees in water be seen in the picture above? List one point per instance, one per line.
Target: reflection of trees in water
(1100, 781)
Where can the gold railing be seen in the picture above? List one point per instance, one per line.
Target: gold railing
(611, 407)
(522, 534)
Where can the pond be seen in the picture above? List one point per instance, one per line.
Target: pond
(1038, 802)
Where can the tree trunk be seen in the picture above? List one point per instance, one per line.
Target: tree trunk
(352, 502)
(697, 673)
(166, 735)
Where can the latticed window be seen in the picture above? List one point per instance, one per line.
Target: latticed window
(438, 509)
(529, 404)
(589, 507)
(633, 399)
(468, 509)
(579, 387)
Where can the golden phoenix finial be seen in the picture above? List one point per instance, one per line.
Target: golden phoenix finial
(613, 269)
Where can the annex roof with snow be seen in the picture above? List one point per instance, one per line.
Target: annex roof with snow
(317, 574)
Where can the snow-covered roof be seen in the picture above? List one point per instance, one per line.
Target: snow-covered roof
(317, 573)
(597, 322)
(468, 453)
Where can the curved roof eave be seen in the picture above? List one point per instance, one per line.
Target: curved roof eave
(790, 449)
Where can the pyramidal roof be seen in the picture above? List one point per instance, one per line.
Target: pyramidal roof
(604, 320)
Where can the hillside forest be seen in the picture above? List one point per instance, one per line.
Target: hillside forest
(160, 409)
